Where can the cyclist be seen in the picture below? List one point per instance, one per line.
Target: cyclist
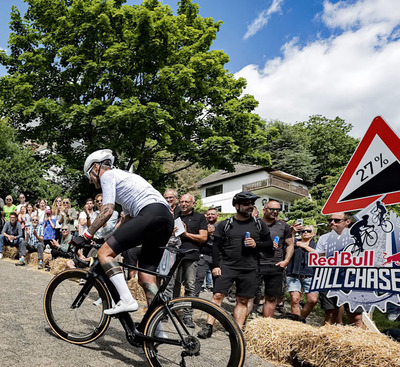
(358, 228)
(147, 221)
(381, 212)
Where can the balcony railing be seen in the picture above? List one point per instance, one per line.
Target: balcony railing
(275, 182)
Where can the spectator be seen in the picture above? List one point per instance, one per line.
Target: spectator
(11, 234)
(235, 257)
(194, 237)
(49, 228)
(62, 248)
(87, 216)
(339, 223)
(23, 218)
(205, 262)
(9, 208)
(22, 202)
(57, 214)
(110, 226)
(69, 215)
(299, 274)
(30, 211)
(41, 211)
(272, 263)
(172, 199)
(33, 242)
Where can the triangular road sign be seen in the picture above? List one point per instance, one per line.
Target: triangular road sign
(373, 170)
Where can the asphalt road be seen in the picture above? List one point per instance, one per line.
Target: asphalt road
(27, 340)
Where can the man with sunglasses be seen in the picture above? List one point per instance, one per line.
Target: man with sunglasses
(272, 263)
(235, 257)
(11, 234)
(147, 221)
(338, 223)
(33, 242)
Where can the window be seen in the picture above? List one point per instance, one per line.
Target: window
(214, 190)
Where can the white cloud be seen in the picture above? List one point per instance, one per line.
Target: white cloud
(354, 75)
(262, 19)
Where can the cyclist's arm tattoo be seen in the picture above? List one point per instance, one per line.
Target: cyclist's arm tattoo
(105, 214)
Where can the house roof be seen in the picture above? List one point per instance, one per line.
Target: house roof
(243, 169)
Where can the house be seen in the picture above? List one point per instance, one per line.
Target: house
(219, 188)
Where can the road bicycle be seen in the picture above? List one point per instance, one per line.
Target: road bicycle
(75, 299)
(368, 237)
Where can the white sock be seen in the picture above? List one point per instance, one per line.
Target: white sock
(120, 284)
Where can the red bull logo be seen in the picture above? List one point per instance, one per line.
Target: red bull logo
(395, 258)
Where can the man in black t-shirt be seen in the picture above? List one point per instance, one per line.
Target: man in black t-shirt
(194, 237)
(205, 262)
(273, 262)
(235, 257)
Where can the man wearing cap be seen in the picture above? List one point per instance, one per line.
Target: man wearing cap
(235, 257)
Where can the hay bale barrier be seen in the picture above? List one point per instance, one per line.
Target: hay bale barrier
(284, 342)
(136, 290)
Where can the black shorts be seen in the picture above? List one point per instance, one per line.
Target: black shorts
(327, 303)
(274, 281)
(151, 228)
(245, 282)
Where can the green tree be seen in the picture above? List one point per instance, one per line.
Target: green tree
(329, 142)
(87, 74)
(289, 150)
(20, 171)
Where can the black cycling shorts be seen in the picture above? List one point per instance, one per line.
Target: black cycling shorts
(245, 282)
(151, 228)
(274, 280)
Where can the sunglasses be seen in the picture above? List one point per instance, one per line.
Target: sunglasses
(35, 220)
(336, 220)
(247, 203)
(8, 199)
(65, 202)
(64, 230)
(99, 201)
(305, 231)
(58, 201)
(274, 210)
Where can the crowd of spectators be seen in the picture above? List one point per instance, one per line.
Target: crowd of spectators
(261, 267)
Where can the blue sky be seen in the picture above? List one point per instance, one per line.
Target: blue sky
(306, 57)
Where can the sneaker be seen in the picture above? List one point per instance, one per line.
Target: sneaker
(98, 302)
(159, 333)
(40, 265)
(20, 263)
(122, 307)
(188, 321)
(1, 255)
(206, 332)
(82, 281)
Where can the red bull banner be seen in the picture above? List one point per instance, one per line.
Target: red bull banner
(361, 266)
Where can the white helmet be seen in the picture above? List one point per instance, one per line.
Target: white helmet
(97, 157)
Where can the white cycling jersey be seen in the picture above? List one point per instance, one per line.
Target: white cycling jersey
(130, 190)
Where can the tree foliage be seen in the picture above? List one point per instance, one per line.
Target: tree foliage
(20, 170)
(89, 74)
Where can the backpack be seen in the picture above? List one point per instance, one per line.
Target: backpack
(228, 226)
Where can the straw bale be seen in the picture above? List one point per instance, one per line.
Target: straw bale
(329, 346)
(10, 252)
(136, 290)
(58, 265)
(31, 258)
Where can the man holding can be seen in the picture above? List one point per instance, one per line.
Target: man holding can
(235, 256)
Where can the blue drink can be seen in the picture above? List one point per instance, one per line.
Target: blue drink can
(246, 236)
(276, 240)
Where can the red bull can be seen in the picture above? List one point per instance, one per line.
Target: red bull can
(246, 236)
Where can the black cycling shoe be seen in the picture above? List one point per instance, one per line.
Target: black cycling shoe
(188, 321)
(206, 332)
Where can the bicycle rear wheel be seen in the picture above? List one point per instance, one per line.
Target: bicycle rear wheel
(81, 324)
(226, 346)
(353, 248)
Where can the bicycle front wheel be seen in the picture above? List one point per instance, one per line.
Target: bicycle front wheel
(371, 238)
(387, 226)
(84, 322)
(226, 346)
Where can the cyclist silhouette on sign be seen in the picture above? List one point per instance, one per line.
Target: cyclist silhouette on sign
(358, 228)
(381, 212)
